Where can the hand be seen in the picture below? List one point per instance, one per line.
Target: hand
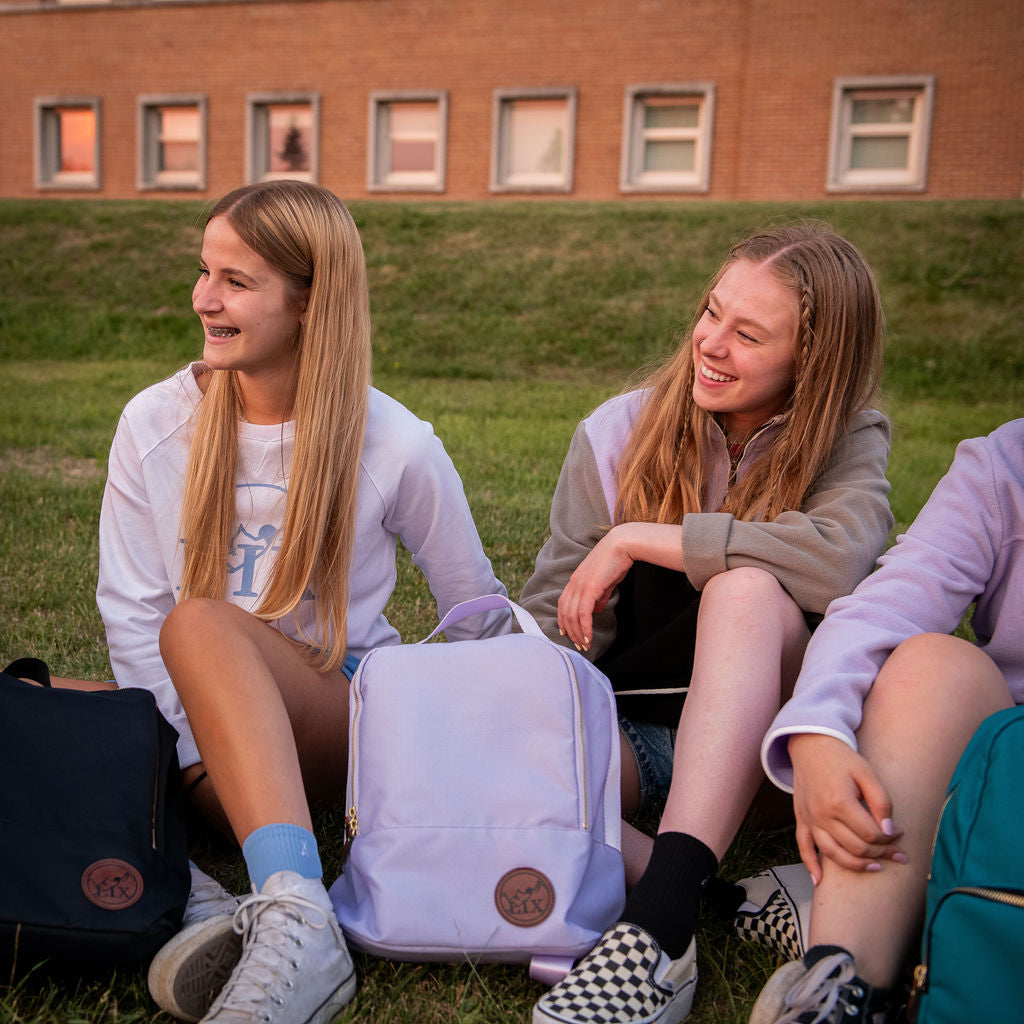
(590, 587)
(843, 812)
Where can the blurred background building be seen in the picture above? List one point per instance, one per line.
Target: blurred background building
(477, 99)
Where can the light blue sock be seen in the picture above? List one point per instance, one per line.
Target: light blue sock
(281, 847)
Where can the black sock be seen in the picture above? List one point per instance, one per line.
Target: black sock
(869, 998)
(816, 953)
(664, 901)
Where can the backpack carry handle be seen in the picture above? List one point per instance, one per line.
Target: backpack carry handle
(487, 603)
(30, 668)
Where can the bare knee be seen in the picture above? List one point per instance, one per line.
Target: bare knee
(195, 617)
(748, 586)
(748, 597)
(939, 681)
(932, 666)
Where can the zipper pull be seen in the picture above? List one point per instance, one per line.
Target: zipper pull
(351, 831)
(919, 986)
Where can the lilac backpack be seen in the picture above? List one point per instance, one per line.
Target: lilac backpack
(483, 800)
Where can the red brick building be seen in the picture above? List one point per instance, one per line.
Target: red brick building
(473, 99)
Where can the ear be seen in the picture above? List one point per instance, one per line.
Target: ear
(301, 304)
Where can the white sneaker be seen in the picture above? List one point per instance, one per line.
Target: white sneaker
(295, 967)
(190, 969)
(207, 898)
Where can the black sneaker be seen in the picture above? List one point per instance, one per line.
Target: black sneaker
(827, 993)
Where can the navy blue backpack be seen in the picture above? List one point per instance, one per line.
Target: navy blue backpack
(92, 828)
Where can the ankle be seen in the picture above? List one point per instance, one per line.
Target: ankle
(665, 900)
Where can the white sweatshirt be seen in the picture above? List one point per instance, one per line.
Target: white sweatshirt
(408, 490)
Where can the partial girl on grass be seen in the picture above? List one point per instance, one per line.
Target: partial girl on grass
(701, 525)
(886, 702)
(247, 553)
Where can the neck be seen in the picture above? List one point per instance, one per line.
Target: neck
(266, 401)
(737, 432)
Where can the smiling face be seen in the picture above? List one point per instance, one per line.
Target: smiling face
(744, 347)
(249, 312)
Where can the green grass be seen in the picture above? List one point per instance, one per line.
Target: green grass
(502, 324)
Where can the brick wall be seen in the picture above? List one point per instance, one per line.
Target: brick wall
(773, 63)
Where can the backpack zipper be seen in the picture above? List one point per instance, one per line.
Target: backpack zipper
(1008, 897)
(351, 815)
(578, 706)
(938, 822)
(156, 796)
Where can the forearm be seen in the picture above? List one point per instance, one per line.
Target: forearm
(655, 543)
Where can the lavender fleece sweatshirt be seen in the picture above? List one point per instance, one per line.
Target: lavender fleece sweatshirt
(966, 545)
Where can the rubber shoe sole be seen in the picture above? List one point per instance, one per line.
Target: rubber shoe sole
(332, 1007)
(191, 969)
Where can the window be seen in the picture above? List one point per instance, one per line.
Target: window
(666, 138)
(532, 148)
(68, 143)
(407, 134)
(283, 137)
(172, 142)
(880, 131)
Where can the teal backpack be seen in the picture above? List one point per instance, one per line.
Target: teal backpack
(973, 944)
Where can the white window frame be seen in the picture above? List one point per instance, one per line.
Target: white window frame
(841, 176)
(148, 177)
(48, 174)
(257, 128)
(632, 176)
(501, 179)
(379, 176)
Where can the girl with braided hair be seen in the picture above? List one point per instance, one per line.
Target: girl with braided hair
(701, 525)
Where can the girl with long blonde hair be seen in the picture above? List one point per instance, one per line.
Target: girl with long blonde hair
(701, 525)
(247, 552)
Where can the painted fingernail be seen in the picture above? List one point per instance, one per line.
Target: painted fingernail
(586, 641)
(561, 632)
(577, 646)
(887, 826)
(900, 858)
(873, 866)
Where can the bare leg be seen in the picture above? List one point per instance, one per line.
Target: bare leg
(750, 641)
(636, 845)
(270, 726)
(636, 852)
(62, 683)
(928, 700)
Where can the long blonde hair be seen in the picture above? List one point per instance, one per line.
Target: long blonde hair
(307, 234)
(663, 474)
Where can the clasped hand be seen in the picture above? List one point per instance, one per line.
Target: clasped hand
(843, 812)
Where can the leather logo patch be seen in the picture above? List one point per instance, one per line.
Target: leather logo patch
(524, 897)
(111, 884)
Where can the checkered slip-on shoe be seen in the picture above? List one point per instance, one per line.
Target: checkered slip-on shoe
(624, 979)
(777, 910)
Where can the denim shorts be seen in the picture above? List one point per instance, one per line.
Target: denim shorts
(652, 747)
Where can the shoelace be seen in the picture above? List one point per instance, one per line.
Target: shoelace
(818, 989)
(268, 924)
